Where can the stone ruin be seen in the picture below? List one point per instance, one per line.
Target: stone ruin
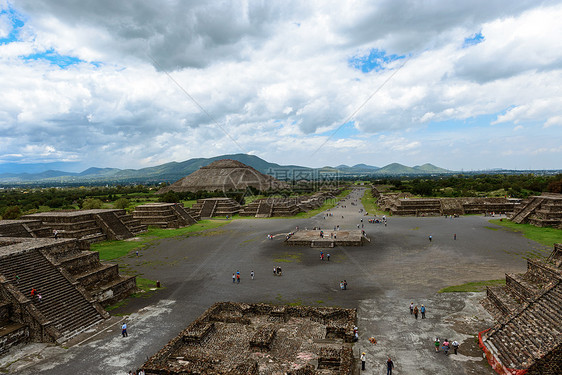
(225, 175)
(86, 225)
(287, 206)
(527, 338)
(238, 338)
(330, 238)
(542, 211)
(165, 215)
(213, 207)
(73, 284)
(403, 204)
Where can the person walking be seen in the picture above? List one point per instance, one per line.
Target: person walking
(423, 311)
(430, 237)
(233, 278)
(252, 275)
(436, 343)
(455, 346)
(328, 256)
(446, 347)
(238, 277)
(411, 308)
(345, 285)
(416, 312)
(363, 361)
(389, 366)
(455, 236)
(124, 330)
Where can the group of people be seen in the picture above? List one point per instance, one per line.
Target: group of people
(277, 271)
(446, 345)
(414, 310)
(343, 285)
(327, 256)
(236, 277)
(35, 294)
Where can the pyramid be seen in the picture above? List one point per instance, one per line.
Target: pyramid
(225, 175)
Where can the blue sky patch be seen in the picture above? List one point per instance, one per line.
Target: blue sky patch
(376, 60)
(54, 58)
(17, 21)
(473, 40)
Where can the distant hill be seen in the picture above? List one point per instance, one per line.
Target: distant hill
(173, 171)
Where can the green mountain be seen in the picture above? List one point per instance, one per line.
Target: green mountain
(171, 172)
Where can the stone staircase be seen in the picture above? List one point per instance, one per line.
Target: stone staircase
(529, 314)
(208, 208)
(133, 225)
(70, 309)
(526, 209)
(184, 214)
(112, 225)
(24, 228)
(163, 215)
(264, 209)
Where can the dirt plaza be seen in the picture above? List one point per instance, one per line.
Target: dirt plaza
(398, 266)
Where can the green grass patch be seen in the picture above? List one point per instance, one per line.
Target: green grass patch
(544, 236)
(145, 290)
(289, 258)
(369, 204)
(110, 250)
(492, 228)
(328, 204)
(477, 286)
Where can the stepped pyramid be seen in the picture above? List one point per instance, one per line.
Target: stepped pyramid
(225, 175)
(528, 336)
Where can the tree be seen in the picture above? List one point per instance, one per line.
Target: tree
(170, 197)
(11, 213)
(121, 203)
(554, 187)
(91, 203)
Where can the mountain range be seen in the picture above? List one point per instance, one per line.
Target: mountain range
(174, 171)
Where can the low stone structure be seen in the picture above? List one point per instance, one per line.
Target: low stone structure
(528, 336)
(213, 207)
(90, 225)
(164, 215)
(542, 211)
(329, 238)
(270, 207)
(236, 338)
(404, 205)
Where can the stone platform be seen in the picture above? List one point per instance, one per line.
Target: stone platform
(311, 238)
(235, 338)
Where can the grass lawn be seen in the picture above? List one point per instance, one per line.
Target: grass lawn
(478, 286)
(110, 250)
(544, 236)
(369, 204)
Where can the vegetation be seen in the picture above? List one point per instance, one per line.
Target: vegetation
(110, 250)
(519, 186)
(328, 204)
(478, 286)
(370, 205)
(544, 236)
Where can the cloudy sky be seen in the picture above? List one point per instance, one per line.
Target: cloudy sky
(130, 84)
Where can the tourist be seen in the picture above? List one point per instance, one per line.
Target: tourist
(446, 347)
(423, 311)
(252, 275)
(430, 238)
(416, 312)
(455, 236)
(233, 278)
(279, 272)
(56, 234)
(39, 297)
(17, 279)
(321, 255)
(124, 330)
(363, 361)
(328, 256)
(455, 346)
(436, 343)
(341, 285)
(238, 277)
(411, 308)
(389, 366)
(33, 291)
(274, 270)
(344, 285)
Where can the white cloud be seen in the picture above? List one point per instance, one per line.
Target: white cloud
(275, 76)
